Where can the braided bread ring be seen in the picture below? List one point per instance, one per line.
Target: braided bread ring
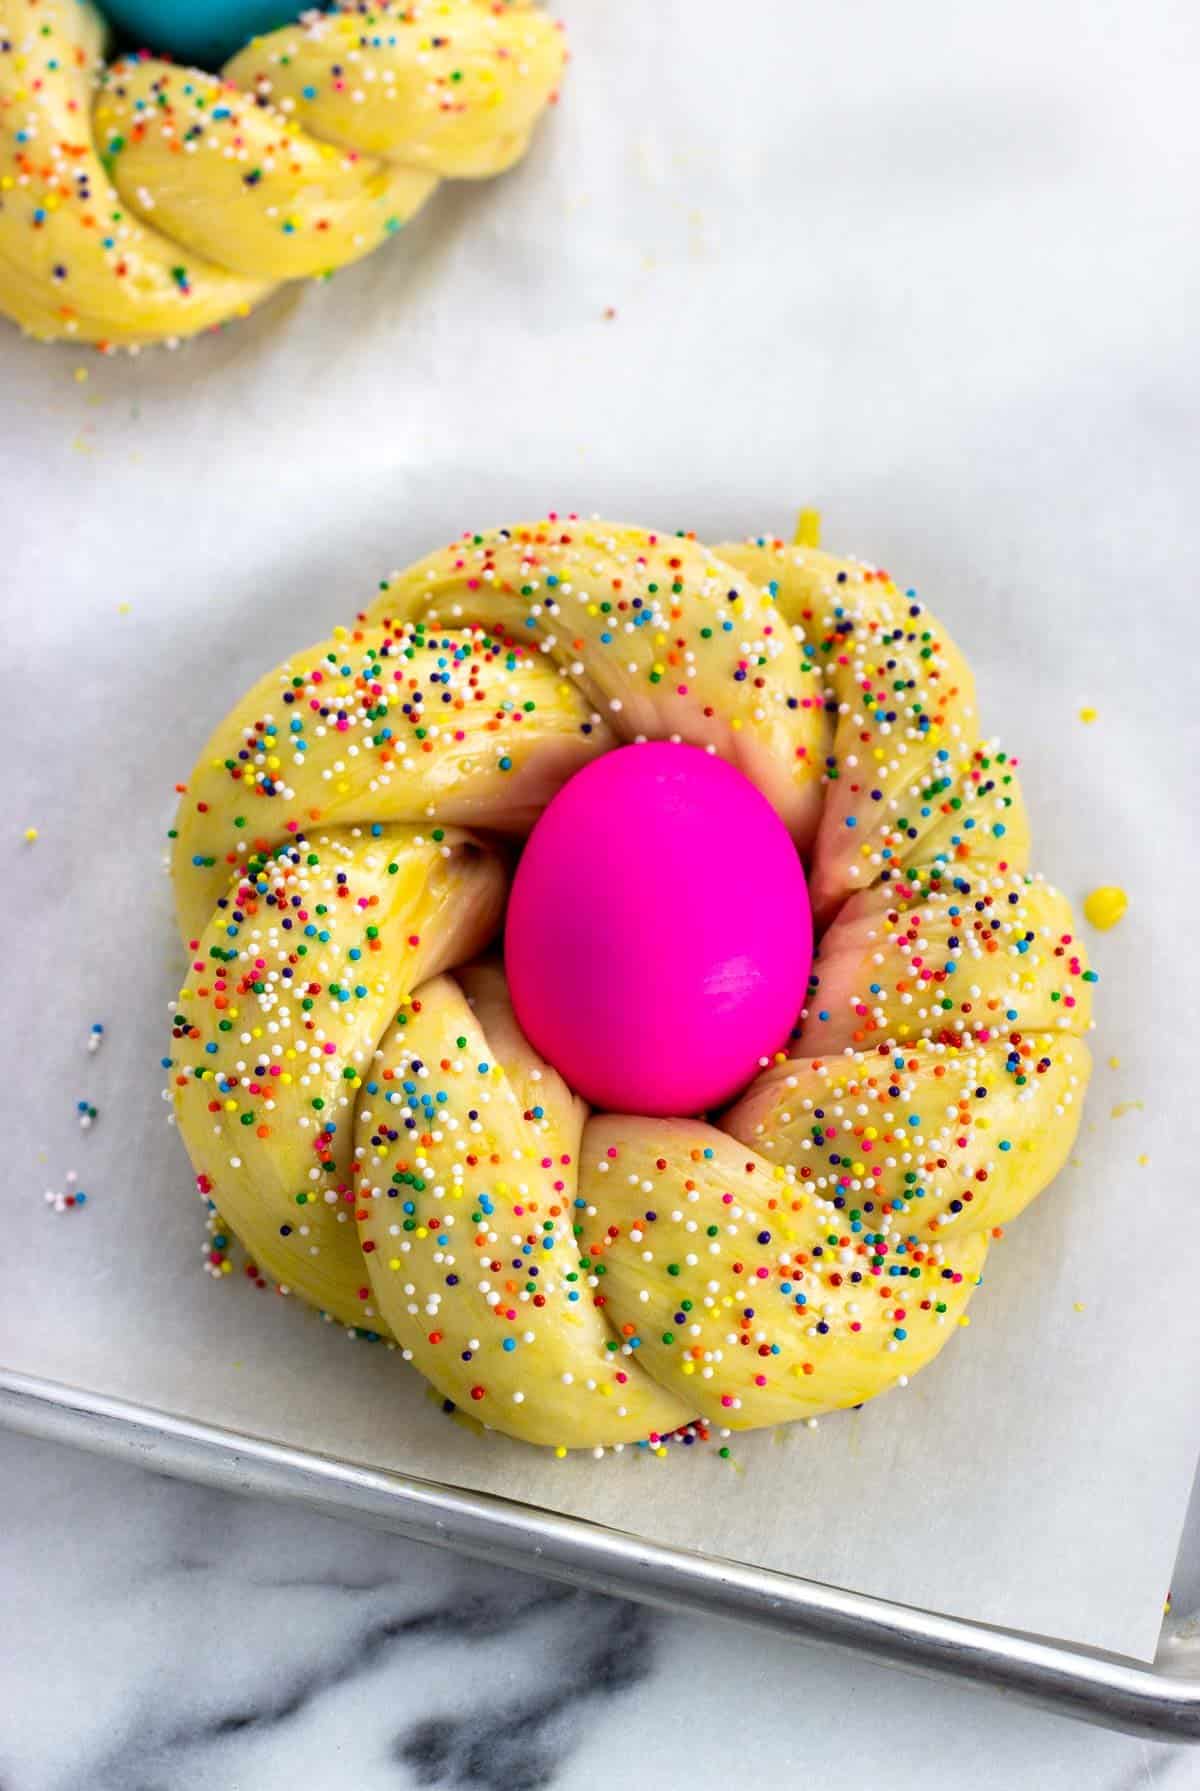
(368, 1116)
(144, 202)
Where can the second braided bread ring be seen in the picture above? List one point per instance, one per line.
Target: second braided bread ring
(361, 1106)
(143, 201)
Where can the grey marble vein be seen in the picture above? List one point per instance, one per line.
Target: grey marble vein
(521, 1747)
(152, 1741)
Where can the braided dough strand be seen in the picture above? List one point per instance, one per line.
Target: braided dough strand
(911, 780)
(526, 1345)
(73, 262)
(764, 1301)
(660, 634)
(303, 964)
(380, 724)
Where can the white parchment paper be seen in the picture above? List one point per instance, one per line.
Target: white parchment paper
(935, 272)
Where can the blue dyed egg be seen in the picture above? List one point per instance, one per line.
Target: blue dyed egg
(205, 32)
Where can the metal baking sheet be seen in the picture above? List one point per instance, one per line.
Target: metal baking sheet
(1162, 1701)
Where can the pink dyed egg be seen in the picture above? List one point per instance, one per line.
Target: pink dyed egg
(659, 935)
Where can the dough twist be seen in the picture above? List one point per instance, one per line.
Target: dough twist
(371, 1121)
(143, 201)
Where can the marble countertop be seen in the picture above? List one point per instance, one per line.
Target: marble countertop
(162, 1637)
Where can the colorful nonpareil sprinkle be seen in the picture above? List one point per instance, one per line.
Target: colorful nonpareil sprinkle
(1105, 906)
(808, 529)
(68, 1199)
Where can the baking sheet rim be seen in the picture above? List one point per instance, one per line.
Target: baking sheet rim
(1160, 1701)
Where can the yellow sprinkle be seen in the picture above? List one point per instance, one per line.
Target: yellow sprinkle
(1105, 906)
(1142, 1162)
(1087, 715)
(1079, 1306)
(1124, 1107)
(1114, 1063)
(964, 1320)
(123, 609)
(808, 529)
(560, 1452)
(31, 834)
(81, 374)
